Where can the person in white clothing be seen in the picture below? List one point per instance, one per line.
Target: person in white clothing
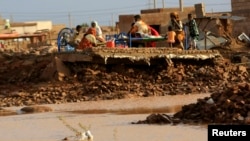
(140, 28)
(99, 35)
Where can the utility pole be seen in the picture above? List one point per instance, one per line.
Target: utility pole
(70, 23)
(11, 18)
(154, 4)
(181, 5)
(163, 3)
(112, 22)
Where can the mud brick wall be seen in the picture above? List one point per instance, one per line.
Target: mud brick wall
(154, 17)
(241, 8)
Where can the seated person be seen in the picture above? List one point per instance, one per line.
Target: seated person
(139, 28)
(99, 35)
(78, 35)
(89, 38)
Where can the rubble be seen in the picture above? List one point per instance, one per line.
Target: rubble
(53, 79)
(230, 106)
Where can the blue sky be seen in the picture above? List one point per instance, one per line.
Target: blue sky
(84, 11)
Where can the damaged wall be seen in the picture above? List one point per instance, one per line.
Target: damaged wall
(241, 8)
(159, 19)
(156, 17)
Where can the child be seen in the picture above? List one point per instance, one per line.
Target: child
(193, 31)
(170, 36)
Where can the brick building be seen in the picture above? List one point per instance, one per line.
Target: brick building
(159, 19)
(241, 8)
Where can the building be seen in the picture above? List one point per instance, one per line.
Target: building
(241, 8)
(159, 19)
(31, 27)
(34, 33)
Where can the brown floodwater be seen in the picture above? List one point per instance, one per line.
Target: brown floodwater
(110, 127)
(107, 121)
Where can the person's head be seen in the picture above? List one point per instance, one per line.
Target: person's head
(190, 16)
(96, 23)
(170, 28)
(174, 15)
(78, 28)
(93, 24)
(137, 18)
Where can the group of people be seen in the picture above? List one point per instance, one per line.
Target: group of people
(176, 33)
(91, 38)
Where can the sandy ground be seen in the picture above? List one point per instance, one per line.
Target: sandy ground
(107, 120)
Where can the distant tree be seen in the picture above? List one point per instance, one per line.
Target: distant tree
(85, 25)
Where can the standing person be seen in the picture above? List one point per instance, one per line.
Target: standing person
(7, 24)
(193, 32)
(170, 36)
(177, 27)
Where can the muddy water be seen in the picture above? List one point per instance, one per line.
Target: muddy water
(107, 120)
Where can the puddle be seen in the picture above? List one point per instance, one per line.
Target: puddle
(129, 111)
(113, 127)
(139, 110)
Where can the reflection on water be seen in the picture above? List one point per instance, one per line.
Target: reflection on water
(141, 110)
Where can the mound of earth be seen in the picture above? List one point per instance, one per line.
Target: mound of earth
(44, 78)
(231, 106)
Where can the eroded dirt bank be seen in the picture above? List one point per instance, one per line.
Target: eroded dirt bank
(35, 79)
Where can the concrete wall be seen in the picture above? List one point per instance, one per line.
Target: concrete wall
(32, 26)
(42, 24)
(25, 29)
(241, 8)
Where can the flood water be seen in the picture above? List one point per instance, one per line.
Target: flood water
(104, 127)
(104, 124)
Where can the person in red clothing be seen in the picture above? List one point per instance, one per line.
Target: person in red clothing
(153, 33)
(89, 38)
